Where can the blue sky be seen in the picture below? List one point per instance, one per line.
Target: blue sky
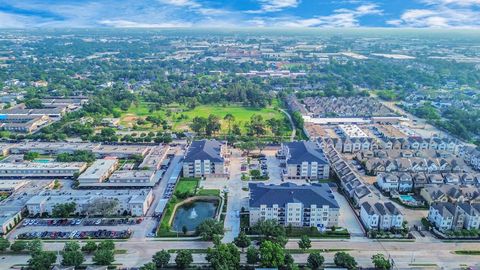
(240, 13)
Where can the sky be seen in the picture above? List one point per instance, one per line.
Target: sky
(240, 13)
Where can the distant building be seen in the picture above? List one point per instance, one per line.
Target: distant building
(291, 204)
(304, 160)
(37, 170)
(205, 158)
(380, 216)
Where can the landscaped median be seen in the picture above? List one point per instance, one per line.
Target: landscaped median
(187, 193)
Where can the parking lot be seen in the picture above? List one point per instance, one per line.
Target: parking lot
(75, 234)
(81, 222)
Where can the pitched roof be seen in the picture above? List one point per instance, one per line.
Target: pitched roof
(305, 151)
(204, 150)
(318, 194)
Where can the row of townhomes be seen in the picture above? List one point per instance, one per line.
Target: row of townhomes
(380, 215)
(351, 183)
(205, 158)
(449, 193)
(303, 160)
(297, 205)
(374, 166)
(446, 216)
(471, 155)
(407, 182)
(349, 145)
(418, 143)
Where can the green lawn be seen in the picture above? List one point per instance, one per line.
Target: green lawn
(180, 117)
(186, 185)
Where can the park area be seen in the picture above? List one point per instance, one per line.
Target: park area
(178, 117)
(190, 211)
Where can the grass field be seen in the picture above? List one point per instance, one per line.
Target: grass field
(186, 185)
(179, 117)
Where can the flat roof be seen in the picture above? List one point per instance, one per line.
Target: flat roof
(98, 169)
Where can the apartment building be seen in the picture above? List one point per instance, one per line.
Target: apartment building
(205, 158)
(380, 216)
(304, 160)
(291, 204)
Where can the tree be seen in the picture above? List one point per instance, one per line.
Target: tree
(33, 103)
(380, 262)
(148, 266)
(315, 260)
(4, 244)
(103, 257)
(253, 255)
(208, 228)
(72, 258)
(89, 247)
(161, 259)
(290, 262)
(229, 118)
(184, 258)
(29, 156)
(343, 259)
(18, 246)
(34, 246)
(272, 255)
(257, 125)
(42, 260)
(63, 210)
(247, 146)
(213, 124)
(224, 256)
(102, 207)
(242, 241)
(304, 242)
(107, 244)
(270, 230)
(199, 124)
(71, 246)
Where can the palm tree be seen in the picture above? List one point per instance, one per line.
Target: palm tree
(229, 118)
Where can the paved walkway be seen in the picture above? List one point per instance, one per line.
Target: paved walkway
(294, 130)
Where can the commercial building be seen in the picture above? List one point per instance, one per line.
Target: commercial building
(135, 201)
(98, 172)
(380, 216)
(36, 170)
(304, 160)
(291, 204)
(205, 158)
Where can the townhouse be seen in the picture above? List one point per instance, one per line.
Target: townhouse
(380, 216)
(450, 216)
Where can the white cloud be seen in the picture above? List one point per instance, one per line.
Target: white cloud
(131, 24)
(340, 18)
(441, 14)
(274, 5)
(181, 3)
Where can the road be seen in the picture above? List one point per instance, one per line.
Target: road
(294, 130)
(237, 198)
(403, 253)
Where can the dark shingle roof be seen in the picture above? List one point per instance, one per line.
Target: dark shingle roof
(318, 194)
(204, 150)
(305, 151)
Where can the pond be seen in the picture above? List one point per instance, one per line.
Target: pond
(193, 214)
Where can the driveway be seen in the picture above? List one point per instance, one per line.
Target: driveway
(347, 218)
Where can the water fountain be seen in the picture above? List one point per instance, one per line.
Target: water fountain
(193, 214)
